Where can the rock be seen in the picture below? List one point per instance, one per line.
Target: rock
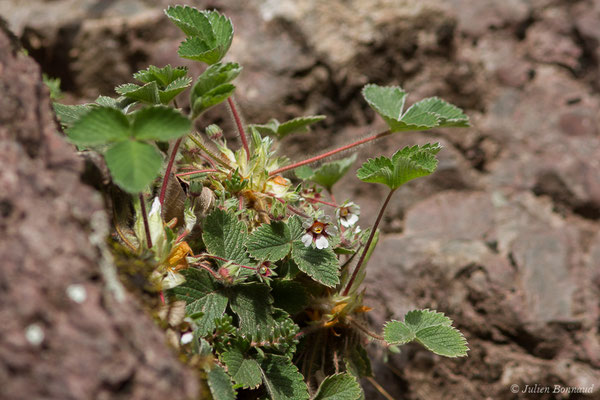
(69, 328)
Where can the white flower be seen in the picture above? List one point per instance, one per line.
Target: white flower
(278, 185)
(348, 214)
(318, 232)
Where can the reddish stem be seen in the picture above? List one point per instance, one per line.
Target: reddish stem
(368, 244)
(145, 218)
(240, 126)
(330, 153)
(162, 297)
(226, 260)
(200, 171)
(163, 189)
(292, 209)
(314, 200)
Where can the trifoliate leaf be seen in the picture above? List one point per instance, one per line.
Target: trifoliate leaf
(133, 165)
(290, 296)
(405, 165)
(339, 387)
(159, 123)
(320, 264)
(245, 371)
(281, 130)
(328, 173)
(432, 329)
(145, 94)
(212, 87)
(251, 302)
(100, 125)
(282, 379)
(426, 114)
(209, 33)
(162, 76)
(270, 242)
(202, 295)
(225, 236)
(220, 384)
(68, 115)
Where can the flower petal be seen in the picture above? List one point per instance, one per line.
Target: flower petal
(322, 242)
(307, 239)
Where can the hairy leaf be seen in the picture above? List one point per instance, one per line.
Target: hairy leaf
(426, 114)
(100, 125)
(212, 87)
(282, 379)
(432, 329)
(245, 371)
(212, 98)
(159, 123)
(405, 165)
(328, 173)
(173, 89)
(201, 295)
(270, 242)
(339, 387)
(252, 304)
(290, 296)
(281, 130)
(68, 115)
(225, 236)
(133, 165)
(145, 94)
(162, 76)
(320, 264)
(220, 384)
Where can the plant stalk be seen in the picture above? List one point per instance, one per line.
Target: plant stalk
(240, 126)
(146, 224)
(200, 171)
(330, 153)
(209, 153)
(368, 244)
(163, 189)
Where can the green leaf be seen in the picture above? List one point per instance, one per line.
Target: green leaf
(405, 165)
(270, 242)
(173, 89)
(68, 115)
(329, 173)
(432, 329)
(290, 296)
(162, 76)
(159, 123)
(244, 371)
(100, 125)
(281, 130)
(339, 387)
(202, 295)
(209, 33)
(282, 379)
(145, 94)
(358, 363)
(212, 87)
(388, 101)
(225, 236)
(212, 98)
(320, 264)
(251, 302)
(133, 165)
(220, 384)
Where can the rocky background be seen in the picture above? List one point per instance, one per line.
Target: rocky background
(504, 237)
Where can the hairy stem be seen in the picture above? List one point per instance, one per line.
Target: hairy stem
(368, 244)
(363, 329)
(240, 126)
(163, 188)
(199, 171)
(330, 153)
(145, 217)
(209, 153)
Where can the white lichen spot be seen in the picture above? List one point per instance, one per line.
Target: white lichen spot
(77, 293)
(34, 334)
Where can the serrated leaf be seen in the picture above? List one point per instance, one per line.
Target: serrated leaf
(270, 242)
(100, 125)
(106, 101)
(162, 76)
(133, 165)
(339, 387)
(212, 98)
(432, 329)
(320, 264)
(329, 173)
(220, 384)
(245, 372)
(197, 49)
(290, 296)
(225, 236)
(68, 115)
(145, 94)
(191, 21)
(201, 295)
(388, 101)
(282, 379)
(212, 87)
(295, 226)
(281, 130)
(251, 302)
(406, 164)
(159, 123)
(173, 89)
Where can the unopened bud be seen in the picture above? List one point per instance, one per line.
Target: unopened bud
(214, 132)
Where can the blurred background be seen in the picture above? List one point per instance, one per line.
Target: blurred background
(504, 238)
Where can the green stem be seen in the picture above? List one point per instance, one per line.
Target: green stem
(200, 171)
(209, 153)
(368, 244)
(240, 126)
(163, 188)
(330, 153)
(145, 218)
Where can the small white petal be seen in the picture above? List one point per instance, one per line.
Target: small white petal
(155, 207)
(322, 242)
(307, 239)
(352, 219)
(187, 338)
(345, 223)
